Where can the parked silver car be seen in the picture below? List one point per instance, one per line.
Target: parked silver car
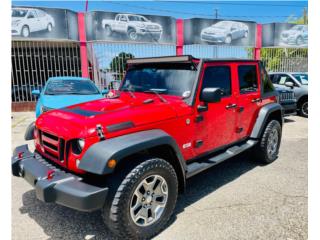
(27, 20)
(297, 35)
(298, 82)
(224, 32)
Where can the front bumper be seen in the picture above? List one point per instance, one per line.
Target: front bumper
(62, 188)
(289, 108)
(213, 38)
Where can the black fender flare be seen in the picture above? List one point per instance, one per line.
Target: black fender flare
(263, 116)
(29, 132)
(96, 157)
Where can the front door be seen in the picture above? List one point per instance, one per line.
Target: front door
(248, 97)
(216, 125)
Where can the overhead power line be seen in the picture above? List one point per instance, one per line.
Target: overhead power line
(232, 3)
(192, 13)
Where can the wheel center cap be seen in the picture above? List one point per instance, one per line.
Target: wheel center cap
(148, 199)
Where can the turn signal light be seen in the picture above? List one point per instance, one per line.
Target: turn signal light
(20, 155)
(50, 174)
(112, 163)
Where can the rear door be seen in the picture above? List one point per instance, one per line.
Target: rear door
(248, 97)
(217, 124)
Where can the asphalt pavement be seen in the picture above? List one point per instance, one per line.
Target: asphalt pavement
(237, 199)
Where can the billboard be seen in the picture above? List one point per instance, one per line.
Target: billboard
(219, 32)
(284, 35)
(125, 27)
(44, 23)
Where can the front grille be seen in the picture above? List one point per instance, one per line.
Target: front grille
(285, 96)
(54, 147)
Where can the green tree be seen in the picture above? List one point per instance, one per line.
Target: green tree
(118, 63)
(273, 56)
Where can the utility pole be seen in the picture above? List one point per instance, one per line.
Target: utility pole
(216, 13)
(305, 21)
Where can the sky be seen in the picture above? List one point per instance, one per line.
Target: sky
(259, 11)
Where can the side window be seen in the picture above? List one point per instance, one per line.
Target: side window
(123, 18)
(266, 82)
(31, 14)
(248, 80)
(285, 78)
(117, 18)
(218, 77)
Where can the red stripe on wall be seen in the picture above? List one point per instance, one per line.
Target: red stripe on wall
(83, 44)
(180, 40)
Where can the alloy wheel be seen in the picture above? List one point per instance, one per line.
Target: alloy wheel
(149, 200)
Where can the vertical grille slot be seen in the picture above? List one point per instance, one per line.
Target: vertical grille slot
(53, 146)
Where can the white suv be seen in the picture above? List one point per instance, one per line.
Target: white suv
(27, 20)
(134, 26)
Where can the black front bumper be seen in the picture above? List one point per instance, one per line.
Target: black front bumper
(63, 188)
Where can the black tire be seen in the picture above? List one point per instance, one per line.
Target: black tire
(303, 108)
(25, 31)
(132, 34)
(116, 211)
(109, 31)
(49, 27)
(299, 40)
(228, 39)
(261, 150)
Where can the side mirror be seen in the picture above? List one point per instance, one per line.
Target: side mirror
(289, 84)
(211, 95)
(35, 93)
(104, 91)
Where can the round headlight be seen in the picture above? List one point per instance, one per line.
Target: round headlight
(81, 143)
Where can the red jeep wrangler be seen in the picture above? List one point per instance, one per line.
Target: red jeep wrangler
(131, 154)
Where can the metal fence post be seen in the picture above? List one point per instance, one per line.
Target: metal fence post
(179, 36)
(257, 49)
(83, 44)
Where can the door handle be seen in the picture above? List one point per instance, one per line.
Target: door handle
(229, 106)
(256, 100)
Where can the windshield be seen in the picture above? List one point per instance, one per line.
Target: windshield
(222, 25)
(80, 87)
(302, 78)
(137, 18)
(170, 80)
(18, 13)
(297, 27)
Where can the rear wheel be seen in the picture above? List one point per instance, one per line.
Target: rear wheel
(267, 149)
(108, 31)
(144, 201)
(49, 27)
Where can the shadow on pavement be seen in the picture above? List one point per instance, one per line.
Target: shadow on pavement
(59, 222)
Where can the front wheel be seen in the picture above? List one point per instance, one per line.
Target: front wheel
(267, 149)
(143, 203)
(132, 34)
(228, 39)
(49, 27)
(303, 109)
(25, 31)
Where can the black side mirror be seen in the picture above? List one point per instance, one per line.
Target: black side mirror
(211, 95)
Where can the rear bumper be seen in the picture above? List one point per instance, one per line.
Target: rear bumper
(63, 188)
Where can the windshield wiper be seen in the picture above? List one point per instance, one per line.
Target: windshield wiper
(157, 91)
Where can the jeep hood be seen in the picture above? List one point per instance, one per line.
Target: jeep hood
(81, 120)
